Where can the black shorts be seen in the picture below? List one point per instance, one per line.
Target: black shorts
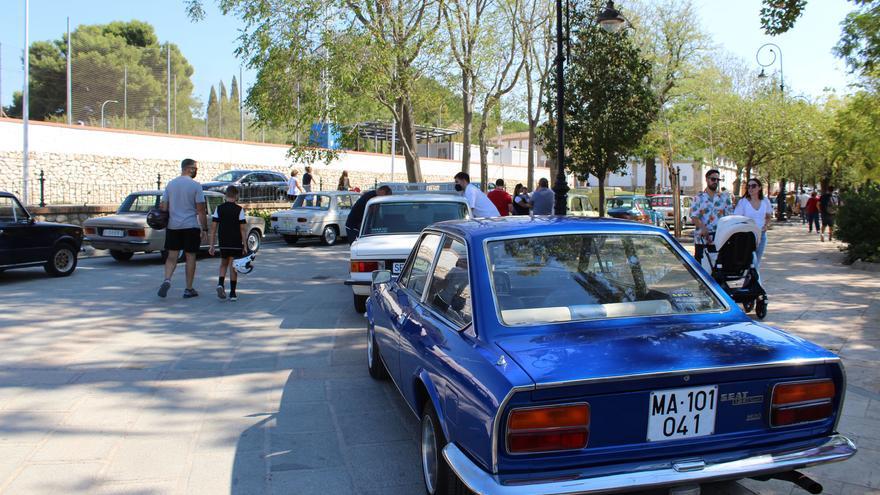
(231, 253)
(828, 220)
(189, 240)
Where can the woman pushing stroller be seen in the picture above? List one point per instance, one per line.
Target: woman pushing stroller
(755, 206)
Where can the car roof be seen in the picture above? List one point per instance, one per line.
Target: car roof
(248, 171)
(331, 193)
(7, 194)
(158, 192)
(479, 229)
(419, 198)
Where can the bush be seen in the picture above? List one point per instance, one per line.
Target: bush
(265, 215)
(858, 223)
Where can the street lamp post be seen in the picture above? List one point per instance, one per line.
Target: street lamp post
(102, 110)
(776, 53)
(610, 20)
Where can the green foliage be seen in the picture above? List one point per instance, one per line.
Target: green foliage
(778, 16)
(854, 139)
(860, 209)
(859, 43)
(266, 215)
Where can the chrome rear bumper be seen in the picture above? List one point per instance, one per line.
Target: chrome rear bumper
(631, 477)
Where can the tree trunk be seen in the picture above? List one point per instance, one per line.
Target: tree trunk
(484, 157)
(407, 130)
(650, 175)
(530, 183)
(467, 124)
(601, 177)
(738, 182)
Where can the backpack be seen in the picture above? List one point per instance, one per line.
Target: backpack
(831, 208)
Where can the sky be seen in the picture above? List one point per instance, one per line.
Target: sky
(209, 45)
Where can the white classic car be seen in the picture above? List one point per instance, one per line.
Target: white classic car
(390, 228)
(316, 214)
(127, 232)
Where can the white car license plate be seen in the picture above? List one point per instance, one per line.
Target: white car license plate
(396, 268)
(682, 413)
(113, 233)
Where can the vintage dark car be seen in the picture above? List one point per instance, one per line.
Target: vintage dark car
(555, 355)
(253, 185)
(24, 242)
(633, 207)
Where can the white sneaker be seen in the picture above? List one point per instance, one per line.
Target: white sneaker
(822, 237)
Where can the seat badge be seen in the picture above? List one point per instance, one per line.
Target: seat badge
(501, 361)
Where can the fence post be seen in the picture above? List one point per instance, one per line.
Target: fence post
(159, 181)
(42, 189)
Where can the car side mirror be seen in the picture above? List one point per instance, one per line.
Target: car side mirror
(381, 277)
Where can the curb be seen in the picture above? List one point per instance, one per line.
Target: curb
(866, 266)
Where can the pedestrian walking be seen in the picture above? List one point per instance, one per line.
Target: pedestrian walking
(293, 185)
(501, 198)
(356, 215)
(187, 229)
(812, 211)
(707, 207)
(755, 206)
(307, 180)
(828, 203)
(343, 185)
(802, 199)
(542, 198)
(480, 204)
(521, 200)
(230, 222)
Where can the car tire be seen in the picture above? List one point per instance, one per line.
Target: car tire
(62, 261)
(254, 241)
(360, 304)
(290, 239)
(330, 235)
(374, 362)
(438, 476)
(748, 306)
(121, 255)
(761, 309)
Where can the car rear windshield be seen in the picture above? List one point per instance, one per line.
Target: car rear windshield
(619, 203)
(312, 201)
(591, 276)
(410, 218)
(231, 176)
(139, 203)
(661, 201)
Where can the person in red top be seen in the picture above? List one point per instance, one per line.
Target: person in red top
(813, 211)
(501, 199)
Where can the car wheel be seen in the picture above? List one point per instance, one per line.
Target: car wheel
(374, 362)
(761, 309)
(439, 477)
(291, 239)
(62, 261)
(120, 255)
(748, 306)
(329, 236)
(360, 304)
(254, 240)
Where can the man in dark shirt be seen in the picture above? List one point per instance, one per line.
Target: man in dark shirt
(356, 215)
(828, 209)
(307, 180)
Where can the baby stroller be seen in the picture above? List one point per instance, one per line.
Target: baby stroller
(731, 261)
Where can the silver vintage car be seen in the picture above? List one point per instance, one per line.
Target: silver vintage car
(315, 214)
(127, 232)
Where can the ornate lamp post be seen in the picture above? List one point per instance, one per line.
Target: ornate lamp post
(611, 21)
(776, 54)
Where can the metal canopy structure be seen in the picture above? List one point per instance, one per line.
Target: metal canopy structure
(377, 130)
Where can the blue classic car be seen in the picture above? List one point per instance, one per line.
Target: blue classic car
(560, 355)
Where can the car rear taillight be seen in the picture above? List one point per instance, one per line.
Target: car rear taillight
(302, 220)
(364, 266)
(548, 429)
(137, 233)
(90, 230)
(802, 402)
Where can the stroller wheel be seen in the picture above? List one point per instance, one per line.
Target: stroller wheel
(748, 306)
(761, 309)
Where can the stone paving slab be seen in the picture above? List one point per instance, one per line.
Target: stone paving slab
(106, 389)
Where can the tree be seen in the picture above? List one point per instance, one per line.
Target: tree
(859, 43)
(609, 99)
(539, 43)
(213, 114)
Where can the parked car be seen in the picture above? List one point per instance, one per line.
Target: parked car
(564, 355)
(390, 228)
(320, 215)
(127, 232)
(25, 242)
(663, 203)
(580, 205)
(253, 185)
(633, 207)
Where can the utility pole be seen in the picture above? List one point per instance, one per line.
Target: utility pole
(168, 82)
(25, 111)
(240, 101)
(175, 103)
(69, 72)
(125, 97)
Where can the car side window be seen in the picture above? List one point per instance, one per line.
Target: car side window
(213, 203)
(416, 275)
(11, 211)
(576, 204)
(450, 291)
(343, 202)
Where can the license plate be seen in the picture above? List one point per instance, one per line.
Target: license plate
(113, 233)
(396, 268)
(682, 413)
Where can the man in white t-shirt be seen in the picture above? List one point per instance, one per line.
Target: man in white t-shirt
(480, 204)
(802, 199)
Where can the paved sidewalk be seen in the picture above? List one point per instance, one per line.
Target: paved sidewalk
(104, 388)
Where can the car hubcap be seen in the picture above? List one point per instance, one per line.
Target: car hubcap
(63, 260)
(429, 454)
(330, 235)
(253, 243)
